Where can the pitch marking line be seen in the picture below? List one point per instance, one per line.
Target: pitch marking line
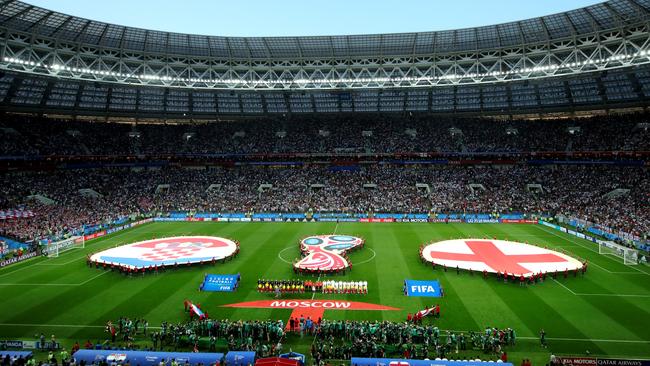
(58, 264)
(613, 295)
(19, 269)
(559, 283)
(314, 293)
(544, 229)
(62, 254)
(92, 278)
(374, 254)
(588, 340)
(527, 338)
(54, 284)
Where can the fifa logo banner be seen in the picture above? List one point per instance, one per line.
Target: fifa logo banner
(422, 288)
(223, 283)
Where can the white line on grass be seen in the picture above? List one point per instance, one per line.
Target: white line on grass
(588, 340)
(559, 283)
(550, 231)
(335, 228)
(39, 284)
(19, 269)
(374, 254)
(59, 264)
(527, 338)
(282, 251)
(52, 325)
(54, 284)
(314, 293)
(92, 278)
(67, 252)
(613, 295)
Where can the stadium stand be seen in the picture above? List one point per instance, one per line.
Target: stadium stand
(575, 191)
(104, 125)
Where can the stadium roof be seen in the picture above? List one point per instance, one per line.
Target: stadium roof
(613, 14)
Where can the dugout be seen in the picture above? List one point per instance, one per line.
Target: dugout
(277, 361)
(359, 361)
(240, 358)
(145, 358)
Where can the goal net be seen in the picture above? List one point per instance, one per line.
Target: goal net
(55, 248)
(629, 255)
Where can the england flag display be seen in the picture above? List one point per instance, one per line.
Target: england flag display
(498, 256)
(167, 252)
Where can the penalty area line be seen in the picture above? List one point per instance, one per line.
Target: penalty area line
(552, 232)
(59, 325)
(54, 284)
(318, 280)
(566, 288)
(612, 295)
(615, 295)
(588, 340)
(43, 263)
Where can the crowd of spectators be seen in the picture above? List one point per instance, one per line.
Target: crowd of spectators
(91, 196)
(333, 339)
(264, 337)
(346, 339)
(20, 136)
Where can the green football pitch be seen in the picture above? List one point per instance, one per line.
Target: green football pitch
(606, 312)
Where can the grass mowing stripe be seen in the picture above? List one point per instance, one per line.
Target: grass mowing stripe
(529, 306)
(563, 286)
(378, 293)
(442, 330)
(456, 300)
(613, 307)
(588, 246)
(53, 284)
(470, 300)
(596, 278)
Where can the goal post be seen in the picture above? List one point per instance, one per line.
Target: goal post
(629, 256)
(53, 249)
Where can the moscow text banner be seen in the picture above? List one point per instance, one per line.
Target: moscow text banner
(422, 288)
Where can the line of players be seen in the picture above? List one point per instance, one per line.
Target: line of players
(284, 286)
(326, 287)
(345, 287)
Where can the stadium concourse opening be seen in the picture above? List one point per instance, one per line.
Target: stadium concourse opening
(399, 199)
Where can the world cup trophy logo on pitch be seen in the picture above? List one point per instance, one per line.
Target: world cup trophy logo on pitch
(326, 253)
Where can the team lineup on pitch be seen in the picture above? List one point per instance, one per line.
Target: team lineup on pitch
(197, 184)
(271, 250)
